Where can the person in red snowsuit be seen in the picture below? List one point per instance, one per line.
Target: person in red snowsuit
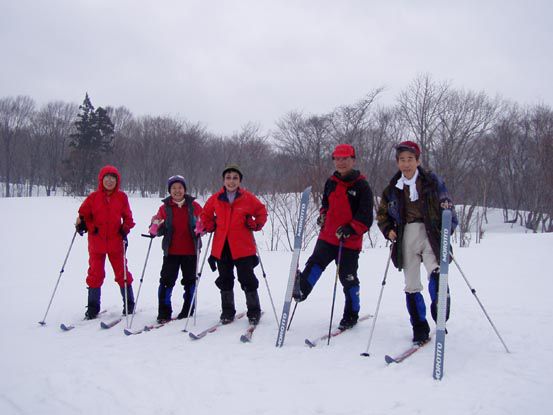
(176, 222)
(106, 215)
(346, 214)
(234, 214)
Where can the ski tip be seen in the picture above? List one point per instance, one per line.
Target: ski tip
(365, 354)
(193, 336)
(65, 327)
(128, 332)
(244, 339)
(309, 343)
(389, 359)
(104, 325)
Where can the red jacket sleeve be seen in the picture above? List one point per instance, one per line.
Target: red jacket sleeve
(260, 212)
(86, 212)
(207, 215)
(128, 222)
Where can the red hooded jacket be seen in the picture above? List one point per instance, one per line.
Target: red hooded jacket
(106, 216)
(229, 222)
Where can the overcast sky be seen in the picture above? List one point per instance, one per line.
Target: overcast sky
(226, 63)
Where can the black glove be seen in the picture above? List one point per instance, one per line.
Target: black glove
(81, 227)
(212, 261)
(321, 220)
(344, 232)
(124, 236)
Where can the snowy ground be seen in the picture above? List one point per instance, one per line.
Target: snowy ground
(89, 370)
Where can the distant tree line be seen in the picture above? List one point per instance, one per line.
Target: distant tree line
(491, 152)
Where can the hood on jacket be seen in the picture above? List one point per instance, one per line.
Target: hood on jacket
(108, 170)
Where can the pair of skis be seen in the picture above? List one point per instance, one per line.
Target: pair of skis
(244, 338)
(71, 326)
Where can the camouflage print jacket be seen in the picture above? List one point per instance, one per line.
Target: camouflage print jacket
(391, 212)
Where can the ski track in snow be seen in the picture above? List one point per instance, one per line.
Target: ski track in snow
(90, 370)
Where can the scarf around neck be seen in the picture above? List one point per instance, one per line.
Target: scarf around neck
(412, 183)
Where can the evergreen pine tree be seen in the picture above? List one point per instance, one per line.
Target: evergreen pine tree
(92, 139)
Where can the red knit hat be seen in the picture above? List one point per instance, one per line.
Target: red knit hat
(409, 146)
(343, 150)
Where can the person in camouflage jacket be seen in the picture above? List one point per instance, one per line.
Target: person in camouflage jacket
(410, 215)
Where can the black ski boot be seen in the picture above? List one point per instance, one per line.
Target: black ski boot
(164, 303)
(296, 292)
(348, 321)
(254, 308)
(93, 307)
(130, 300)
(187, 296)
(421, 332)
(227, 306)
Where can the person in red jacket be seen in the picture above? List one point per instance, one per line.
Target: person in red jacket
(234, 214)
(106, 215)
(346, 214)
(175, 221)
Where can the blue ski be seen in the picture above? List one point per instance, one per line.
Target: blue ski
(439, 350)
(298, 239)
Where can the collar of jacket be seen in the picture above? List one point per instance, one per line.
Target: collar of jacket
(352, 177)
(169, 200)
(222, 194)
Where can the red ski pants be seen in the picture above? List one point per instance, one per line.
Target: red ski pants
(97, 273)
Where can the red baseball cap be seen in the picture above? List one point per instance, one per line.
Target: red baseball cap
(343, 150)
(409, 146)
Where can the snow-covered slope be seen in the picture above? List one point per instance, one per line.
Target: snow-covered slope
(93, 371)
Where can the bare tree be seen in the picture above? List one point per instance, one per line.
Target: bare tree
(15, 116)
(52, 125)
(420, 106)
(465, 118)
(308, 143)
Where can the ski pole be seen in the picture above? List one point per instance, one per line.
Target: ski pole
(145, 235)
(366, 353)
(43, 321)
(265, 278)
(125, 283)
(292, 315)
(198, 278)
(297, 288)
(338, 260)
(473, 291)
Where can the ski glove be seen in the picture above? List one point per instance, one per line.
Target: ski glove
(81, 227)
(212, 261)
(344, 232)
(124, 234)
(321, 220)
(252, 225)
(199, 229)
